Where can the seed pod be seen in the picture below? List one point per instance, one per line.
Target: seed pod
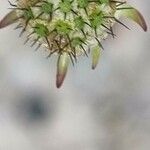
(10, 18)
(62, 67)
(133, 14)
(95, 56)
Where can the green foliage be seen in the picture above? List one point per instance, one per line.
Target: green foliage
(65, 6)
(82, 3)
(62, 27)
(96, 18)
(47, 7)
(79, 22)
(77, 41)
(104, 1)
(41, 30)
(28, 14)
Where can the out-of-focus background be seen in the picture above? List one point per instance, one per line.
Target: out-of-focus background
(108, 108)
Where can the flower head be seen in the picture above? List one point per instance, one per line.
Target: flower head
(70, 28)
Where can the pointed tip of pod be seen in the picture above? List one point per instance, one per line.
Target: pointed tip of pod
(10, 18)
(60, 79)
(62, 67)
(141, 21)
(134, 15)
(95, 56)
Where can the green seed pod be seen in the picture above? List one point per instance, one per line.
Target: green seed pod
(95, 56)
(62, 67)
(133, 14)
(70, 28)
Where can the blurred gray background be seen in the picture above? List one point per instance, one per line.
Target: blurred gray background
(108, 108)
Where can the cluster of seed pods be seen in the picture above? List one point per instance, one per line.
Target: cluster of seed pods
(70, 28)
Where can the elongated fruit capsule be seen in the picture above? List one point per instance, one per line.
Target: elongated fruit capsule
(62, 67)
(132, 14)
(10, 18)
(95, 56)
